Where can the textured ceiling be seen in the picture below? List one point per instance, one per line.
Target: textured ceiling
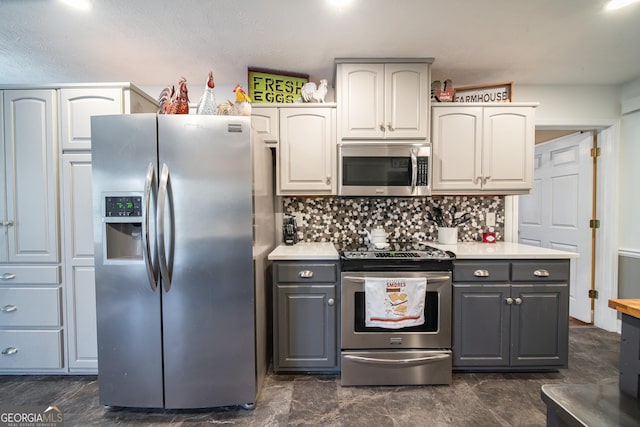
(154, 42)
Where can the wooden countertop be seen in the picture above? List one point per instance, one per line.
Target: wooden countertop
(626, 306)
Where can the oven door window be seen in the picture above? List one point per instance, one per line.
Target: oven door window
(430, 316)
(376, 171)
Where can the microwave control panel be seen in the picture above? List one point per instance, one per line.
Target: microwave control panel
(423, 171)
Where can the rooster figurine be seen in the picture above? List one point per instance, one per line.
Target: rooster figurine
(311, 93)
(242, 106)
(170, 103)
(207, 103)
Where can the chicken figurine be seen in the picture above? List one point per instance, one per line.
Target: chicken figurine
(171, 103)
(311, 93)
(207, 103)
(242, 106)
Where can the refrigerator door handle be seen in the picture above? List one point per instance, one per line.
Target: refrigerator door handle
(162, 252)
(148, 182)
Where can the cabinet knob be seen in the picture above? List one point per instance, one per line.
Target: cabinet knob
(541, 273)
(481, 273)
(8, 308)
(9, 351)
(486, 178)
(518, 301)
(382, 127)
(509, 300)
(391, 129)
(306, 274)
(328, 180)
(7, 276)
(477, 179)
(6, 223)
(331, 301)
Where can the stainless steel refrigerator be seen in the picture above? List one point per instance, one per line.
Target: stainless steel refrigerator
(183, 222)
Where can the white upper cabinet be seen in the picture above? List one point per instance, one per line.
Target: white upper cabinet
(483, 149)
(306, 162)
(30, 177)
(383, 100)
(77, 107)
(264, 120)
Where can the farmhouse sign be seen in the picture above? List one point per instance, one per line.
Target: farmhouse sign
(499, 92)
(275, 86)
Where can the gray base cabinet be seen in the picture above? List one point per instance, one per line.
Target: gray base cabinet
(305, 307)
(510, 315)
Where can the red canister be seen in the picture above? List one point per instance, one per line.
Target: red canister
(489, 237)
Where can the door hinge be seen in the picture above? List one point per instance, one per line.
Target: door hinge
(594, 223)
(595, 152)
(593, 294)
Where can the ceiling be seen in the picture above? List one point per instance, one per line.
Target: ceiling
(153, 43)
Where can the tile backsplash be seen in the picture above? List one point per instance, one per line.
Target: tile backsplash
(344, 220)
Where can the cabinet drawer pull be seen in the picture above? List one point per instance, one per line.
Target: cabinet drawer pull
(331, 301)
(509, 301)
(481, 273)
(9, 351)
(391, 129)
(518, 301)
(306, 274)
(541, 273)
(6, 223)
(382, 127)
(7, 276)
(8, 308)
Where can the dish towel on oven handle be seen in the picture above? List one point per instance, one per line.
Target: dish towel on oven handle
(394, 303)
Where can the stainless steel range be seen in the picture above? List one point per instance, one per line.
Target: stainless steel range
(381, 344)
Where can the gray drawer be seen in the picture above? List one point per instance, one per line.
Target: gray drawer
(23, 306)
(481, 271)
(305, 272)
(31, 349)
(540, 271)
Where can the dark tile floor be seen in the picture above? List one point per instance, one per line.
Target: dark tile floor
(474, 399)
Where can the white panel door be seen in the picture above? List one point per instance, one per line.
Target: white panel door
(406, 102)
(4, 253)
(361, 100)
(79, 268)
(265, 122)
(557, 212)
(30, 138)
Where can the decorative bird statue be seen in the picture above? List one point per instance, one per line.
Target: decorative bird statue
(311, 93)
(242, 106)
(169, 103)
(207, 103)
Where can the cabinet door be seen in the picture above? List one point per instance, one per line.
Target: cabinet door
(30, 137)
(508, 148)
(406, 101)
(457, 148)
(265, 122)
(76, 108)
(481, 325)
(4, 252)
(78, 268)
(539, 325)
(306, 159)
(361, 101)
(306, 326)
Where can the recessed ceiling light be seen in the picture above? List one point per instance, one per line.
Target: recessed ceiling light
(339, 3)
(617, 4)
(78, 4)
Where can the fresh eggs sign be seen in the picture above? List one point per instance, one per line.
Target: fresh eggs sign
(275, 86)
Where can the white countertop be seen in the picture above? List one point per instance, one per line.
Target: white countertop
(304, 250)
(503, 250)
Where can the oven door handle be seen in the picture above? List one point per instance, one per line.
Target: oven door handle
(363, 278)
(401, 362)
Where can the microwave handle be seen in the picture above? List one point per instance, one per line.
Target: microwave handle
(414, 169)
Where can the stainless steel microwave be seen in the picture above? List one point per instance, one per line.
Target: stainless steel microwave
(384, 169)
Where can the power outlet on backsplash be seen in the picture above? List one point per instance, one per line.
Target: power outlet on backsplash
(490, 219)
